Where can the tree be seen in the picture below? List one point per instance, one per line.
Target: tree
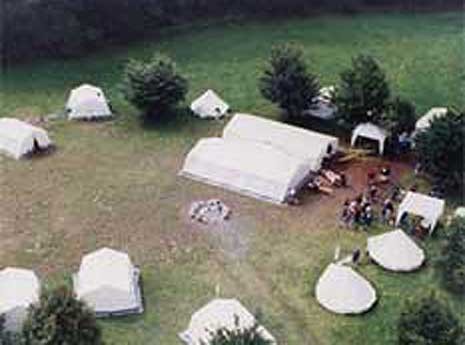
(287, 82)
(452, 262)
(155, 87)
(428, 321)
(400, 116)
(440, 150)
(59, 318)
(363, 92)
(7, 338)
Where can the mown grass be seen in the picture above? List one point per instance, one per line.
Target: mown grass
(115, 183)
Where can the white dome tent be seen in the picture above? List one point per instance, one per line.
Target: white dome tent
(424, 122)
(209, 105)
(87, 102)
(341, 290)
(18, 138)
(396, 251)
(219, 314)
(459, 212)
(370, 131)
(109, 283)
(428, 207)
(19, 288)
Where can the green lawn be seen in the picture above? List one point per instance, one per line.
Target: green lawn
(115, 183)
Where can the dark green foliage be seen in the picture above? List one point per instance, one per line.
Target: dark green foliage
(440, 150)
(400, 116)
(428, 321)
(59, 318)
(287, 82)
(363, 92)
(7, 338)
(154, 87)
(452, 262)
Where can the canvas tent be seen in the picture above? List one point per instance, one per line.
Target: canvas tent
(424, 122)
(87, 102)
(19, 288)
(249, 168)
(303, 144)
(18, 138)
(395, 251)
(209, 105)
(109, 283)
(341, 290)
(370, 131)
(220, 314)
(430, 208)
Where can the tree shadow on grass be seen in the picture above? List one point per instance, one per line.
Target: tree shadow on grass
(169, 121)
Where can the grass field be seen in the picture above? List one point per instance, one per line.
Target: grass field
(115, 184)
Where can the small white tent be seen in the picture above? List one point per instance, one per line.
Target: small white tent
(424, 122)
(19, 288)
(249, 168)
(323, 108)
(220, 314)
(428, 207)
(209, 105)
(303, 144)
(459, 212)
(395, 251)
(18, 138)
(370, 131)
(109, 283)
(343, 291)
(87, 102)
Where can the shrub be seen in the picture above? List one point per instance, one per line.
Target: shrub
(59, 318)
(7, 338)
(287, 82)
(155, 87)
(428, 321)
(400, 116)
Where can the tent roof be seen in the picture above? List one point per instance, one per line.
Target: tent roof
(87, 101)
(18, 288)
(208, 104)
(17, 130)
(370, 131)
(425, 121)
(343, 291)
(396, 251)
(426, 206)
(460, 212)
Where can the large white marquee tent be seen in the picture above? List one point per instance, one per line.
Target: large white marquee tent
(341, 290)
(109, 283)
(220, 314)
(18, 138)
(209, 105)
(19, 288)
(424, 122)
(370, 131)
(87, 102)
(395, 251)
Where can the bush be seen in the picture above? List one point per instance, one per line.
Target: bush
(7, 338)
(400, 116)
(155, 87)
(428, 321)
(59, 318)
(287, 82)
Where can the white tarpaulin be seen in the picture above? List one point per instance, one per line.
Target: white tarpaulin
(425, 121)
(396, 251)
(427, 207)
(310, 146)
(370, 131)
(87, 102)
(18, 138)
(249, 168)
(19, 288)
(209, 105)
(220, 314)
(343, 291)
(109, 283)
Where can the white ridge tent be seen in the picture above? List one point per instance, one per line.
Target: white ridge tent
(428, 207)
(249, 168)
(341, 290)
(87, 102)
(18, 138)
(19, 288)
(209, 105)
(306, 145)
(219, 314)
(424, 122)
(109, 283)
(396, 251)
(370, 131)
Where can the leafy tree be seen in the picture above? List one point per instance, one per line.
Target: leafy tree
(59, 318)
(7, 338)
(155, 87)
(440, 150)
(452, 262)
(363, 92)
(287, 82)
(400, 116)
(428, 321)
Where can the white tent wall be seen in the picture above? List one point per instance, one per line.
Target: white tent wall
(110, 300)
(87, 102)
(209, 105)
(372, 132)
(424, 122)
